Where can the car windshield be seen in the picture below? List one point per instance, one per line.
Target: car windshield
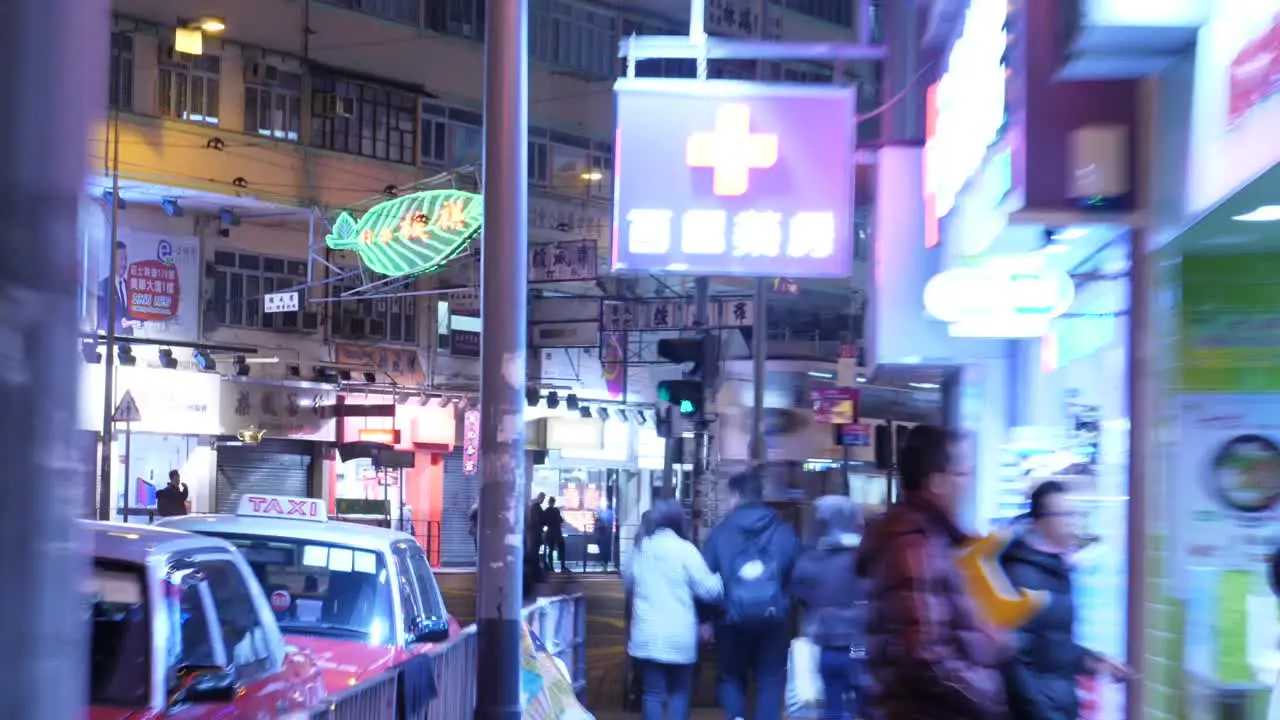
(321, 589)
(121, 637)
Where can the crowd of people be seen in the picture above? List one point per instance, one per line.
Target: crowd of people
(883, 605)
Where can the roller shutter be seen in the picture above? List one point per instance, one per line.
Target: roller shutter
(272, 467)
(460, 493)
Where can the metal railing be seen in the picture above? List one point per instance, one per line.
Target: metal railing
(559, 622)
(373, 699)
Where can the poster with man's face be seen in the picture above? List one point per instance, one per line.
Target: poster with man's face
(154, 290)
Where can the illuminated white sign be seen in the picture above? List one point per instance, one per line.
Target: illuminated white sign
(990, 302)
(970, 103)
(280, 506)
(752, 233)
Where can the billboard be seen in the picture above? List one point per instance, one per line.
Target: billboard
(723, 177)
(156, 288)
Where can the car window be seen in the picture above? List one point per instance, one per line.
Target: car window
(244, 636)
(413, 607)
(120, 641)
(428, 590)
(321, 589)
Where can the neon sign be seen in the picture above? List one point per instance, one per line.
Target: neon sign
(969, 104)
(762, 187)
(991, 302)
(412, 234)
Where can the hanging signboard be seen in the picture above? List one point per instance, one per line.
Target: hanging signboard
(412, 234)
(733, 178)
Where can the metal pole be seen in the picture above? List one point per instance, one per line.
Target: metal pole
(1141, 427)
(503, 299)
(46, 45)
(759, 351)
(108, 368)
(128, 454)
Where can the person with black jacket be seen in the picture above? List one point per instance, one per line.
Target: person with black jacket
(1041, 679)
(834, 599)
(754, 551)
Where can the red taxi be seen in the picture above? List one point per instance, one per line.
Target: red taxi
(362, 599)
(181, 629)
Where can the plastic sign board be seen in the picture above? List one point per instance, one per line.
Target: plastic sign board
(722, 177)
(412, 234)
(280, 302)
(998, 302)
(126, 410)
(281, 506)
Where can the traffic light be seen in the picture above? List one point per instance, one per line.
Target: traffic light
(701, 355)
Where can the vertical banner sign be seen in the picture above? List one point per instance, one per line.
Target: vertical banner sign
(613, 363)
(471, 442)
(723, 177)
(156, 288)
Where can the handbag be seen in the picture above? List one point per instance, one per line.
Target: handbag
(804, 679)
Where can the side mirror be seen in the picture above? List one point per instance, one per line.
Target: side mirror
(431, 630)
(201, 684)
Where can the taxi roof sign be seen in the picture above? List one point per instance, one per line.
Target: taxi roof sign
(283, 507)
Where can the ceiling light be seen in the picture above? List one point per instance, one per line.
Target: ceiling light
(89, 351)
(370, 378)
(171, 207)
(1264, 213)
(593, 176)
(532, 397)
(124, 355)
(925, 385)
(622, 415)
(344, 375)
(571, 402)
(640, 417)
(240, 365)
(294, 371)
(602, 413)
(585, 412)
(1068, 234)
(167, 360)
(204, 361)
(553, 400)
(212, 25)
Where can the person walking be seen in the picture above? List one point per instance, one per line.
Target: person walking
(665, 576)
(1042, 677)
(553, 537)
(171, 500)
(930, 655)
(533, 545)
(754, 552)
(834, 599)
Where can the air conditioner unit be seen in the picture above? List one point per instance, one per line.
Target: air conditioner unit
(334, 105)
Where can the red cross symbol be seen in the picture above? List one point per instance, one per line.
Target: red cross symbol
(732, 151)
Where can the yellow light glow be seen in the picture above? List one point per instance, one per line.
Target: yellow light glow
(212, 25)
(188, 41)
(592, 176)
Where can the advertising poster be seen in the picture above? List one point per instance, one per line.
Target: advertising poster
(1227, 510)
(156, 288)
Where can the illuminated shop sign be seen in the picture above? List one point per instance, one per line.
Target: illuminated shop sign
(412, 234)
(1254, 73)
(998, 302)
(967, 106)
(733, 178)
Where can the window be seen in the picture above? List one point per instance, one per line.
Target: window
(400, 11)
(574, 37)
(322, 590)
(189, 86)
(731, 69)
(461, 18)
(363, 119)
(467, 144)
(428, 590)
(273, 103)
(837, 12)
(435, 134)
(667, 68)
(382, 319)
(807, 74)
(121, 81)
(571, 163)
(412, 608)
(193, 642)
(120, 638)
(244, 636)
(241, 279)
(539, 159)
(601, 174)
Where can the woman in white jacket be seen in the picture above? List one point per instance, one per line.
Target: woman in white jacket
(665, 576)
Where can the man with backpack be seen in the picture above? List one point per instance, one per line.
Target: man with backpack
(754, 550)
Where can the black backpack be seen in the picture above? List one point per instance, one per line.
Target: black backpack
(753, 588)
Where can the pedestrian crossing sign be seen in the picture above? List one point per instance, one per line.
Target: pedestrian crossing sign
(126, 410)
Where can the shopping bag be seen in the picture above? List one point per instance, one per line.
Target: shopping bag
(804, 680)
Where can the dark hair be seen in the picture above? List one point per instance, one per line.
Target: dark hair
(173, 475)
(926, 451)
(747, 485)
(1041, 495)
(121, 246)
(667, 513)
(551, 502)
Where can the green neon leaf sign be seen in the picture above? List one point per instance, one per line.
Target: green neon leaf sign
(412, 234)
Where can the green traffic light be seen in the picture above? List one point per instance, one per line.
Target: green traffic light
(663, 393)
(686, 407)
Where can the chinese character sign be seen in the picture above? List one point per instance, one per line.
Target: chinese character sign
(733, 178)
(156, 288)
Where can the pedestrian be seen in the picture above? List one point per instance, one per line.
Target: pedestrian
(604, 534)
(834, 599)
(1041, 679)
(754, 552)
(665, 577)
(473, 525)
(533, 545)
(930, 655)
(553, 539)
(171, 500)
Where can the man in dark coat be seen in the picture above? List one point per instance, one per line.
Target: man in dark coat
(1042, 678)
(930, 655)
(171, 500)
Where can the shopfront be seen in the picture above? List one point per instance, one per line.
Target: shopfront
(177, 430)
(1214, 481)
(408, 493)
(273, 438)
